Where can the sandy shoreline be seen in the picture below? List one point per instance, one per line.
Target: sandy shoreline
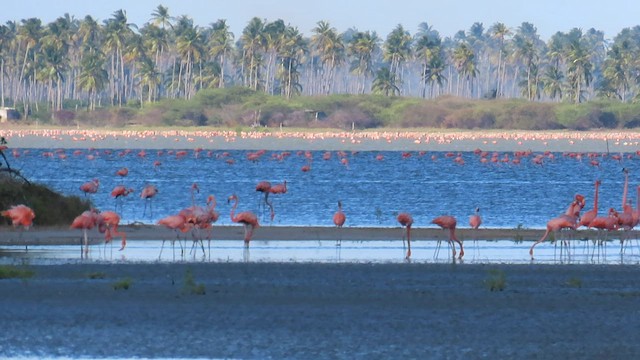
(383, 140)
(65, 236)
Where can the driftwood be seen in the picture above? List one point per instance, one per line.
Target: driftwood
(7, 168)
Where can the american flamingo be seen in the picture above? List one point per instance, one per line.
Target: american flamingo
(475, 220)
(625, 218)
(246, 218)
(406, 220)
(568, 220)
(177, 223)
(448, 222)
(276, 189)
(108, 222)
(554, 225)
(147, 195)
(338, 219)
(119, 192)
(605, 224)
(90, 187)
(21, 216)
(588, 216)
(85, 221)
(264, 187)
(122, 172)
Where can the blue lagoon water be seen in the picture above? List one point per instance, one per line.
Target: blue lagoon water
(372, 191)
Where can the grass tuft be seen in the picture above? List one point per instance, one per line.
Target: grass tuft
(14, 272)
(190, 285)
(123, 284)
(497, 280)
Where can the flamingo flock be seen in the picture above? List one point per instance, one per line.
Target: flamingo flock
(198, 220)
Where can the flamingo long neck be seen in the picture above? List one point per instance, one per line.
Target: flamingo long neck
(595, 198)
(233, 210)
(625, 189)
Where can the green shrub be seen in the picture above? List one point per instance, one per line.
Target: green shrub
(13, 272)
(123, 284)
(496, 281)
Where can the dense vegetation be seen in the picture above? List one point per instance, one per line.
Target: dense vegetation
(243, 107)
(50, 207)
(71, 63)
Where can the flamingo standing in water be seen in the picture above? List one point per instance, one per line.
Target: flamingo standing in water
(605, 224)
(588, 216)
(448, 222)
(406, 220)
(177, 223)
(119, 192)
(85, 221)
(568, 220)
(475, 220)
(246, 218)
(90, 187)
(276, 189)
(625, 218)
(21, 216)
(108, 222)
(338, 219)
(147, 195)
(264, 187)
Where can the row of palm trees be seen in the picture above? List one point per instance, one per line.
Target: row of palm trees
(115, 62)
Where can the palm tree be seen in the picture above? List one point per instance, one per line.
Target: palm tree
(578, 69)
(553, 79)
(329, 46)
(385, 83)
(221, 45)
(190, 47)
(117, 32)
(362, 49)
(428, 49)
(160, 17)
(465, 62)
(526, 53)
(499, 31)
(149, 78)
(252, 42)
(93, 77)
(397, 49)
(294, 46)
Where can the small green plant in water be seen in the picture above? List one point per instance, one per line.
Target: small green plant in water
(574, 282)
(14, 272)
(96, 275)
(190, 285)
(123, 284)
(497, 281)
(379, 215)
(518, 238)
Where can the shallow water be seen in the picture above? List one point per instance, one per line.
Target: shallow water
(372, 191)
(392, 251)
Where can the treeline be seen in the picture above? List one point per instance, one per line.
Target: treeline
(241, 107)
(82, 63)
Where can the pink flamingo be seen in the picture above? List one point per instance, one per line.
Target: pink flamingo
(338, 219)
(21, 216)
(108, 222)
(406, 220)
(177, 223)
(85, 221)
(626, 218)
(90, 187)
(605, 224)
(475, 220)
(588, 216)
(246, 218)
(276, 189)
(265, 187)
(448, 222)
(147, 195)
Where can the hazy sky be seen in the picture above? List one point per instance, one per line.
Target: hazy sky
(446, 16)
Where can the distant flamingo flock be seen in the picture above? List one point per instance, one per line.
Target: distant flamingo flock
(198, 220)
